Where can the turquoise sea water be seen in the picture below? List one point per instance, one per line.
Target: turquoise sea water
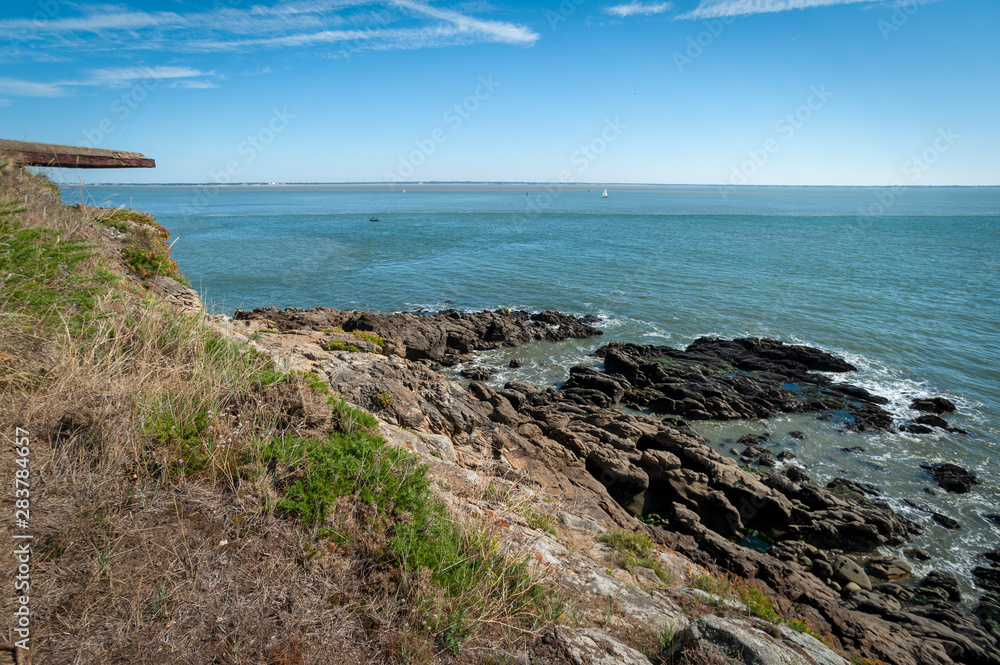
(908, 289)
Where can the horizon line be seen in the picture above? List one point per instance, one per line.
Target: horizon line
(418, 183)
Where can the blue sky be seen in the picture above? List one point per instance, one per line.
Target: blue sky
(758, 92)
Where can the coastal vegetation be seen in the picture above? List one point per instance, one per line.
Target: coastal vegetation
(192, 500)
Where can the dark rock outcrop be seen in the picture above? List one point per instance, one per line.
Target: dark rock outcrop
(946, 582)
(951, 477)
(742, 378)
(937, 405)
(433, 336)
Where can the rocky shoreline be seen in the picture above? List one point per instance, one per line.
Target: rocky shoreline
(812, 548)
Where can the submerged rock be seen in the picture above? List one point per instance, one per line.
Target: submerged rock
(951, 477)
(933, 405)
(478, 373)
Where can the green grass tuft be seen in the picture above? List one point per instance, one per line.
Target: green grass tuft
(754, 599)
(636, 549)
(368, 336)
(38, 269)
(341, 345)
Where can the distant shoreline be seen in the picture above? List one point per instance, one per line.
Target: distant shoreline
(442, 184)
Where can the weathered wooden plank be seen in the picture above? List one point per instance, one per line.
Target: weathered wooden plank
(27, 153)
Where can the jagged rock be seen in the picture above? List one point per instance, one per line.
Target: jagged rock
(889, 568)
(988, 578)
(946, 521)
(914, 636)
(587, 378)
(933, 405)
(437, 335)
(932, 420)
(515, 363)
(897, 591)
(423, 443)
(646, 576)
(740, 641)
(797, 474)
(583, 646)
(988, 612)
(753, 440)
(946, 582)
(176, 293)
(850, 486)
(741, 378)
(580, 523)
(951, 477)
(477, 373)
(917, 554)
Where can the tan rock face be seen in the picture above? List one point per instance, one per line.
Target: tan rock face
(177, 294)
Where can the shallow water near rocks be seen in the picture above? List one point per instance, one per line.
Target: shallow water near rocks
(911, 297)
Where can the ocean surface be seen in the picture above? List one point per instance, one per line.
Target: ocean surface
(904, 284)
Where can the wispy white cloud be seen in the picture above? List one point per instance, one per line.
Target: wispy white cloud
(19, 88)
(117, 77)
(389, 24)
(635, 8)
(720, 8)
(493, 31)
(197, 85)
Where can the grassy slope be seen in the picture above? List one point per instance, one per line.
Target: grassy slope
(190, 502)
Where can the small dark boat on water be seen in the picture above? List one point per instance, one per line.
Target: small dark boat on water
(374, 219)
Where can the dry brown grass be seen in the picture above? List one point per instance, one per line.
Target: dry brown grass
(156, 536)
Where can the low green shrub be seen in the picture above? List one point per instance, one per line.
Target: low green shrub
(635, 543)
(341, 345)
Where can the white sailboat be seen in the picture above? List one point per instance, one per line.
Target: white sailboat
(605, 194)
